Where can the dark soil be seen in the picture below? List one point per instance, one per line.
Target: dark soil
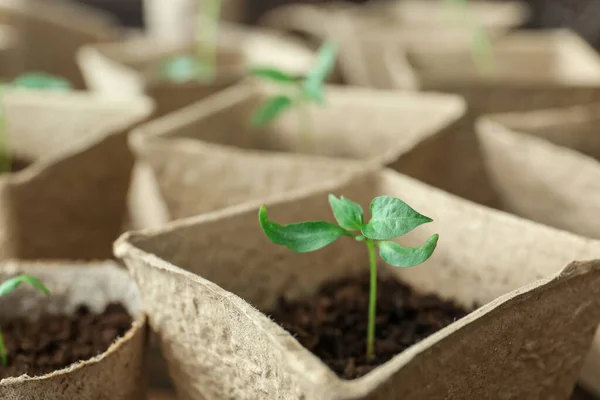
(56, 341)
(332, 323)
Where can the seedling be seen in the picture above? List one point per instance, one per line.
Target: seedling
(390, 218)
(32, 80)
(296, 93)
(6, 288)
(203, 65)
(481, 45)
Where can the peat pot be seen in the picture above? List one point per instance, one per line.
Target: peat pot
(205, 278)
(116, 373)
(66, 194)
(526, 71)
(51, 32)
(212, 144)
(544, 165)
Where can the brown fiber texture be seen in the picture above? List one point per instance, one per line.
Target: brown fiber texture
(70, 202)
(207, 156)
(127, 69)
(548, 174)
(201, 278)
(51, 32)
(118, 373)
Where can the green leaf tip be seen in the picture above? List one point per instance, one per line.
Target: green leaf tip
(390, 218)
(272, 74)
(348, 214)
(41, 80)
(13, 283)
(301, 237)
(313, 85)
(400, 256)
(270, 110)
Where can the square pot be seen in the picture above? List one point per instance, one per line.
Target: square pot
(212, 144)
(51, 32)
(544, 165)
(531, 70)
(202, 277)
(127, 69)
(118, 372)
(71, 200)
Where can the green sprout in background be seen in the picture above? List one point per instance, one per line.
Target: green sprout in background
(31, 80)
(390, 218)
(6, 288)
(203, 65)
(481, 45)
(296, 93)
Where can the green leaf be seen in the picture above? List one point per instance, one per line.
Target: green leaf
(272, 74)
(302, 237)
(313, 85)
(184, 69)
(347, 213)
(390, 218)
(400, 256)
(270, 110)
(40, 80)
(8, 286)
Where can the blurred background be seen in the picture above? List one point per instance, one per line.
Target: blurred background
(579, 15)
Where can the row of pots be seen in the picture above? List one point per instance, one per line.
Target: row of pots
(201, 276)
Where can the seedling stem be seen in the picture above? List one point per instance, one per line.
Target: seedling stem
(390, 218)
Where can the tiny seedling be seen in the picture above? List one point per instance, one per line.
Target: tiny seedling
(34, 81)
(7, 287)
(296, 93)
(203, 65)
(481, 46)
(390, 218)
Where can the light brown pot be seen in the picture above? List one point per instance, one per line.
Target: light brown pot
(544, 165)
(530, 70)
(70, 202)
(207, 156)
(51, 32)
(528, 341)
(128, 69)
(116, 374)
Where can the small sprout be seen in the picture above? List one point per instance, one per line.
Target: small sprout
(202, 66)
(7, 287)
(390, 218)
(481, 46)
(35, 81)
(42, 81)
(298, 93)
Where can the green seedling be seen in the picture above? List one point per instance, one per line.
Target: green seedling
(390, 218)
(6, 288)
(34, 81)
(202, 66)
(296, 93)
(481, 46)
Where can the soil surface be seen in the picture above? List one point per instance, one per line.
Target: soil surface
(56, 341)
(332, 323)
